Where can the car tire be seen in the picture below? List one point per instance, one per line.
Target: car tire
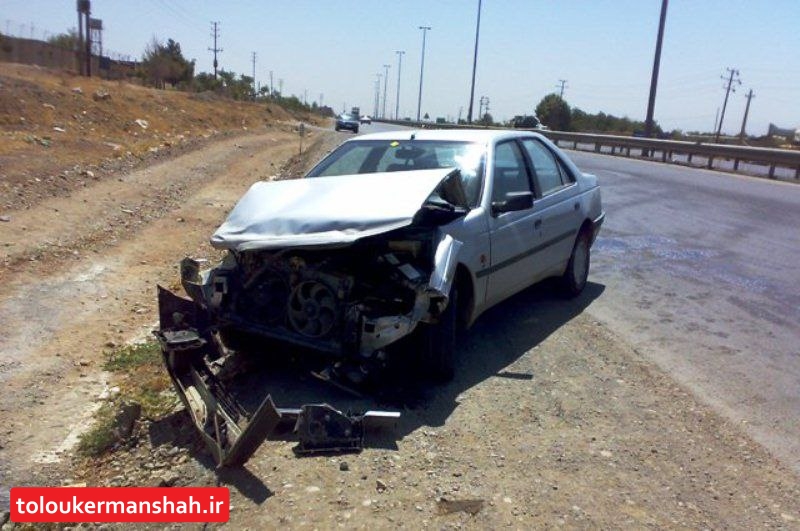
(355, 131)
(439, 342)
(574, 279)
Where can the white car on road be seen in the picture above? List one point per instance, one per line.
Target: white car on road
(413, 232)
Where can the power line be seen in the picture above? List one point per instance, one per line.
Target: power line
(215, 35)
(732, 77)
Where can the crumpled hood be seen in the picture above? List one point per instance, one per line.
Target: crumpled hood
(325, 210)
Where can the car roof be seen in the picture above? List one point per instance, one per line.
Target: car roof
(483, 136)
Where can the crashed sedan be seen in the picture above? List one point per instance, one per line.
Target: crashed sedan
(408, 233)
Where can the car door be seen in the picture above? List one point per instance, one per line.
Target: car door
(557, 205)
(513, 235)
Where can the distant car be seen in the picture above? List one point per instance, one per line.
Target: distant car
(366, 120)
(348, 122)
(396, 233)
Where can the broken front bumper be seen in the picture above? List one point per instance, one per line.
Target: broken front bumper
(233, 434)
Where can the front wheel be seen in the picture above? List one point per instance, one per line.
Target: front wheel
(574, 279)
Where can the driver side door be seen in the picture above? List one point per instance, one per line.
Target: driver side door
(514, 236)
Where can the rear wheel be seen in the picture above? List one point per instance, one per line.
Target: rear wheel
(439, 342)
(574, 279)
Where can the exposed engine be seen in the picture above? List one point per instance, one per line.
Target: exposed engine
(353, 300)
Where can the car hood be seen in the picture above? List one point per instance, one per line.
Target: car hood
(326, 210)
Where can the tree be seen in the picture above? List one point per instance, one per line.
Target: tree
(486, 119)
(67, 41)
(206, 82)
(525, 121)
(238, 89)
(164, 63)
(607, 123)
(554, 112)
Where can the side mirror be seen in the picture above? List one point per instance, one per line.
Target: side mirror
(514, 201)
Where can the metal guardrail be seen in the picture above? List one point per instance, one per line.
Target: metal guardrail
(657, 149)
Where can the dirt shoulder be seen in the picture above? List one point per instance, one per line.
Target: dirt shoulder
(82, 280)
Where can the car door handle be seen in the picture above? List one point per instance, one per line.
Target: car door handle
(537, 224)
(576, 206)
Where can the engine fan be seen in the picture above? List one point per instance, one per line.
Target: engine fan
(312, 309)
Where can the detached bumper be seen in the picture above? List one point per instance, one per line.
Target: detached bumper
(231, 433)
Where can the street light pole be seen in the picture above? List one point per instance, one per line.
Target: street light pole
(385, 84)
(399, 66)
(376, 114)
(421, 69)
(651, 102)
(474, 65)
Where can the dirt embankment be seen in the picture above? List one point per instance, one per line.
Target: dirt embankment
(60, 132)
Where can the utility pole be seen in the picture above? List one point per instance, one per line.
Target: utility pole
(254, 75)
(85, 36)
(385, 84)
(305, 96)
(651, 102)
(474, 64)
(320, 99)
(399, 66)
(79, 51)
(749, 97)
(271, 86)
(716, 120)
(280, 87)
(733, 73)
(421, 69)
(215, 35)
(562, 83)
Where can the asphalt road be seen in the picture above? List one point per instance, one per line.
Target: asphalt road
(700, 272)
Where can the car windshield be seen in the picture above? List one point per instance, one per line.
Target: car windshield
(375, 156)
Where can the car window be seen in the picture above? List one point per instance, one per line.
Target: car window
(377, 156)
(509, 173)
(546, 170)
(350, 161)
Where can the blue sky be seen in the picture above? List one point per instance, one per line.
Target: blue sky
(603, 48)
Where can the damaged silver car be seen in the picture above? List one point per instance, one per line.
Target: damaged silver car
(391, 235)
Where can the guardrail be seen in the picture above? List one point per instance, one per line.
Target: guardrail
(668, 151)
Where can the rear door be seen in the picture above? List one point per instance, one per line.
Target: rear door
(557, 205)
